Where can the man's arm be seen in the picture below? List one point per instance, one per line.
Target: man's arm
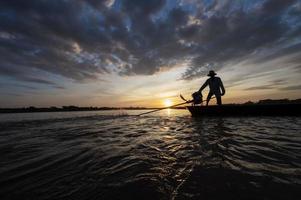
(203, 86)
(222, 87)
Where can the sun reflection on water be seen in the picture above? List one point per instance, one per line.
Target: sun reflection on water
(168, 112)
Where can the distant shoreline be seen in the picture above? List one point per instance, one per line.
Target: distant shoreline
(32, 109)
(71, 109)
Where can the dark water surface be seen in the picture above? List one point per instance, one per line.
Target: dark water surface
(170, 155)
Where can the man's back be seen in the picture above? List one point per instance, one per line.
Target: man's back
(216, 87)
(215, 84)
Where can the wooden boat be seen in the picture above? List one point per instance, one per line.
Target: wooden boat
(247, 110)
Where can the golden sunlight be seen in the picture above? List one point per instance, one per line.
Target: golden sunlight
(167, 102)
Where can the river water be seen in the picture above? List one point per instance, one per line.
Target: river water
(165, 155)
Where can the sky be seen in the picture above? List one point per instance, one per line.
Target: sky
(142, 52)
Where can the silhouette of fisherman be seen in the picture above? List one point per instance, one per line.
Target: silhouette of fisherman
(216, 88)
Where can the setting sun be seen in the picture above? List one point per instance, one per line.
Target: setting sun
(167, 102)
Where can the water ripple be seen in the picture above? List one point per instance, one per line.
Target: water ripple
(150, 157)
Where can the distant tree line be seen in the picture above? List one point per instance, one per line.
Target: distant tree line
(91, 108)
(62, 109)
(275, 101)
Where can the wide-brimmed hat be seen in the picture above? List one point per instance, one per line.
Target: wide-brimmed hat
(211, 73)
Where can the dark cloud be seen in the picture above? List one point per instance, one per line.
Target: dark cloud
(142, 8)
(233, 37)
(38, 80)
(279, 81)
(43, 34)
(271, 85)
(293, 87)
(264, 87)
(27, 87)
(84, 39)
(17, 74)
(276, 6)
(297, 68)
(12, 94)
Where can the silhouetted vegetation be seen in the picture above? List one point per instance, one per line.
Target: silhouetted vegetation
(63, 109)
(91, 108)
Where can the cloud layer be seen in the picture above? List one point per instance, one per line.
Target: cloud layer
(85, 39)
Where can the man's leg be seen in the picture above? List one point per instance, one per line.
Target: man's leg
(218, 100)
(208, 98)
